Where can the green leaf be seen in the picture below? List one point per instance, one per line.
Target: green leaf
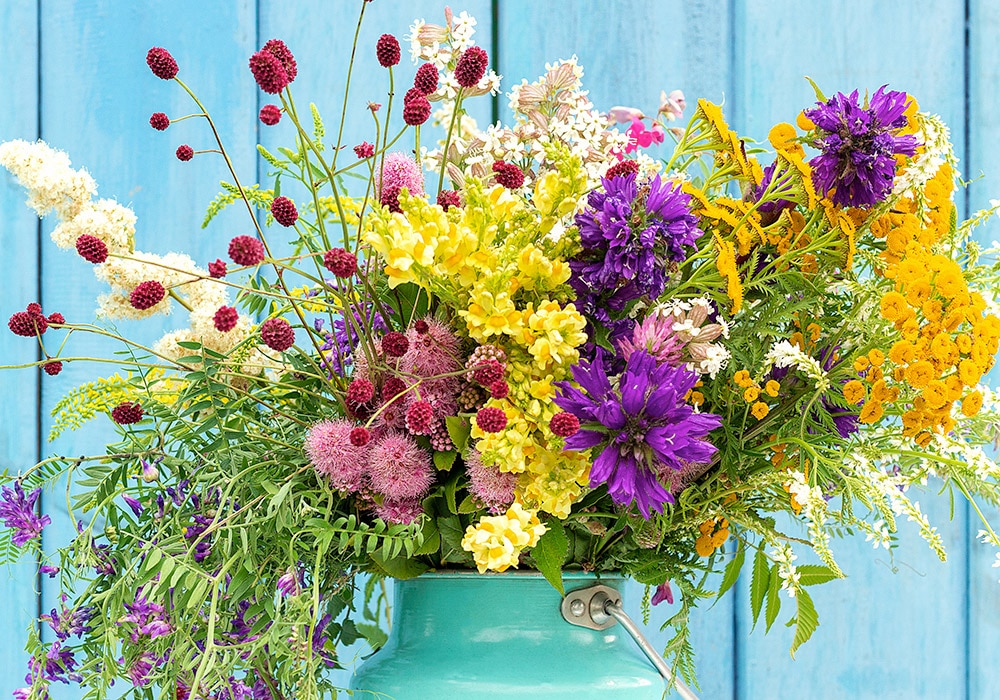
(758, 584)
(814, 574)
(374, 634)
(450, 489)
(398, 567)
(732, 572)
(468, 505)
(451, 541)
(773, 600)
(459, 430)
(550, 553)
(806, 621)
(431, 537)
(443, 461)
(820, 97)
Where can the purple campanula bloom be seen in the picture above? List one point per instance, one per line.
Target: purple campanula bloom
(859, 144)
(18, 513)
(640, 428)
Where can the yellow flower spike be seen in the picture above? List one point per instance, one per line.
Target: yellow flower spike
(726, 263)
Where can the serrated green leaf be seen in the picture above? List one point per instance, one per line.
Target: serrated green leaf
(806, 621)
(459, 430)
(732, 573)
(758, 584)
(773, 599)
(398, 567)
(468, 505)
(550, 553)
(443, 461)
(815, 574)
(374, 635)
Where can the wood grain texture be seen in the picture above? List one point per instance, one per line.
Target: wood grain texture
(18, 287)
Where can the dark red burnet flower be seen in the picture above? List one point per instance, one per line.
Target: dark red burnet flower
(364, 150)
(416, 111)
(277, 334)
(508, 175)
(411, 94)
(270, 114)
(426, 79)
(360, 436)
(421, 326)
(161, 63)
(184, 152)
(395, 344)
(27, 324)
(487, 372)
(360, 391)
(564, 424)
(147, 294)
(284, 212)
(53, 367)
(419, 417)
(471, 66)
(499, 389)
(387, 50)
(342, 263)
(448, 198)
(217, 269)
(225, 319)
(280, 50)
(625, 167)
(56, 319)
(246, 250)
(159, 121)
(127, 412)
(392, 388)
(491, 420)
(34, 308)
(92, 249)
(269, 72)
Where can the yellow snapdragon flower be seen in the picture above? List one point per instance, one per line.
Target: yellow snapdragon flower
(497, 541)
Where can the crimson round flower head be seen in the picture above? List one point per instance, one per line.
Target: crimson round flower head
(225, 319)
(340, 262)
(217, 269)
(161, 63)
(281, 52)
(499, 389)
(625, 167)
(91, 248)
(277, 334)
(411, 94)
(426, 79)
(387, 50)
(564, 424)
(284, 211)
(421, 326)
(56, 319)
(392, 387)
(270, 114)
(360, 391)
(447, 199)
(419, 417)
(508, 175)
(246, 250)
(471, 66)
(364, 150)
(491, 420)
(34, 308)
(417, 111)
(184, 152)
(159, 121)
(52, 368)
(395, 344)
(360, 436)
(269, 72)
(127, 412)
(27, 324)
(147, 294)
(487, 372)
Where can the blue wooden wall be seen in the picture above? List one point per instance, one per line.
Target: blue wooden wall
(73, 73)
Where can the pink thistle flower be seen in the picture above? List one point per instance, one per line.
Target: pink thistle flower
(127, 412)
(508, 175)
(490, 485)
(335, 456)
(499, 389)
(655, 335)
(564, 424)
(400, 512)
(400, 170)
(487, 372)
(399, 468)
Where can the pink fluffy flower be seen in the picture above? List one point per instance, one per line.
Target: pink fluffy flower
(433, 352)
(329, 446)
(655, 335)
(400, 170)
(401, 512)
(490, 485)
(400, 469)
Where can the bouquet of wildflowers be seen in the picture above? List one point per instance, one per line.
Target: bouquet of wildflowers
(528, 346)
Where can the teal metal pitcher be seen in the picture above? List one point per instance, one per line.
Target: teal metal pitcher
(468, 636)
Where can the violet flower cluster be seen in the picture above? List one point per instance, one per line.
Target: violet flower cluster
(18, 513)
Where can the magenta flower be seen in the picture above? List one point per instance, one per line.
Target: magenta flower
(641, 137)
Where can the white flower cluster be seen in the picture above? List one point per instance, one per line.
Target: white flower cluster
(877, 533)
(54, 185)
(814, 508)
(442, 46)
(784, 354)
(703, 355)
(783, 556)
(937, 150)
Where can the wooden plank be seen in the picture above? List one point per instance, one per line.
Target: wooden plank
(879, 630)
(630, 51)
(981, 166)
(97, 95)
(18, 287)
